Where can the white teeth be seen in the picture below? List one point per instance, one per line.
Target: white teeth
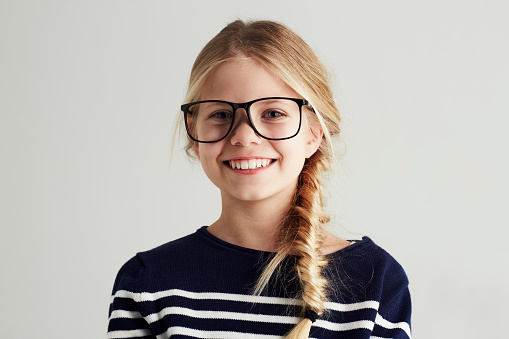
(249, 164)
(252, 164)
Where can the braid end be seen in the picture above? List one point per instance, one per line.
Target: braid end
(301, 330)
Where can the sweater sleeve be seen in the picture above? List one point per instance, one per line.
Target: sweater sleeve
(125, 319)
(394, 313)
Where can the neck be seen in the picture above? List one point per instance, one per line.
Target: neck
(250, 224)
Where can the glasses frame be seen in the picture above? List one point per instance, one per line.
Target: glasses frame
(245, 106)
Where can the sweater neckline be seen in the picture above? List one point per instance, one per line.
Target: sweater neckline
(203, 233)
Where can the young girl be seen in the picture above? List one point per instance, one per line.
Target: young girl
(259, 115)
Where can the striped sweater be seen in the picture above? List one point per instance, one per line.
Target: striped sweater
(201, 287)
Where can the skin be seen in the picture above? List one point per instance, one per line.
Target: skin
(254, 201)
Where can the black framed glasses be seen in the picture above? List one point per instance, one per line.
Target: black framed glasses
(272, 118)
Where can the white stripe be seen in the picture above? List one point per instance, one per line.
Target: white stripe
(212, 334)
(352, 307)
(125, 314)
(337, 327)
(389, 325)
(221, 315)
(128, 334)
(146, 296)
(367, 324)
(224, 334)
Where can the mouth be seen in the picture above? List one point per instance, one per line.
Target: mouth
(249, 164)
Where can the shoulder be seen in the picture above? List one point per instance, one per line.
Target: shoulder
(141, 268)
(365, 270)
(366, 254)
(365, 277)
(170, 250)
(364, 251)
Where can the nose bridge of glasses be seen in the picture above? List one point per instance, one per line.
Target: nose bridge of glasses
(239, 117)
(242, 119)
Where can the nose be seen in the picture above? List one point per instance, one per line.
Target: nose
(242, 132)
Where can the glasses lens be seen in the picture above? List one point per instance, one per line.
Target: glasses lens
(276, 118)
(209, 121)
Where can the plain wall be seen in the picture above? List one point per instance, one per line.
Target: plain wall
(89, 91)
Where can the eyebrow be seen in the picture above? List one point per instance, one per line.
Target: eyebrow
(215, 103)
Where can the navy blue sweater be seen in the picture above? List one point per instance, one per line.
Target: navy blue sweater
(201, 287)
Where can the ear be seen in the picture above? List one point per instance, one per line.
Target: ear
(315, 136)
(196, 149)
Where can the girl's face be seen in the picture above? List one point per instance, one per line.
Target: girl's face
(244, 80)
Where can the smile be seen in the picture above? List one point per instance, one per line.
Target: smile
(249, 164)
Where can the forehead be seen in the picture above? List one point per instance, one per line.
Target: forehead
(242, 80)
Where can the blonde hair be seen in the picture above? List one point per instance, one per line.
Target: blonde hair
(301, 232)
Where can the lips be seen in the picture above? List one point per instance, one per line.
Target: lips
(249, 164)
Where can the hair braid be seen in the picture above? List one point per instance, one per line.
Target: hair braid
(309, 219)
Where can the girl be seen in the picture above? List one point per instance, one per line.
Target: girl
(259, 115)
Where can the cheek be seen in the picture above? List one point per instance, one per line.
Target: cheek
(295, 155)
(208, 155)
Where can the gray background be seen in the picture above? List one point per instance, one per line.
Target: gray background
(88, 95)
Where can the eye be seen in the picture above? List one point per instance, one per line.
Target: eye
(272, 114)
(221, 115)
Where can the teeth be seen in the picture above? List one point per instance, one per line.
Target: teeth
(249, 164)
(252, 164)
